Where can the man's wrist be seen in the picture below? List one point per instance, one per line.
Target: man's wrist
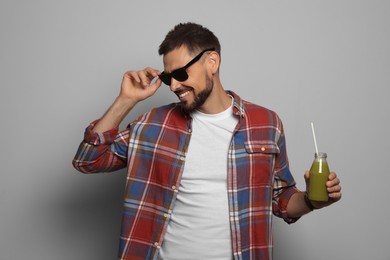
(308, 202)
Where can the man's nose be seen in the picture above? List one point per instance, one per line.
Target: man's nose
(175, 85)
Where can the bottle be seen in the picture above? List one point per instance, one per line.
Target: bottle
(319, 173)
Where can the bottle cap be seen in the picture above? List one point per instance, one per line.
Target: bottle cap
(321, 155)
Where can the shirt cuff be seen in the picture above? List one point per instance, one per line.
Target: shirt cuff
(95, 138)
(283, 201)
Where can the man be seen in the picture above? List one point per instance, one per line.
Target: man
(204, 174)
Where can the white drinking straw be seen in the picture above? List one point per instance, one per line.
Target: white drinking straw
(314, 137)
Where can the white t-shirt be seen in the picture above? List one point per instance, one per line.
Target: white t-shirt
(199, 226)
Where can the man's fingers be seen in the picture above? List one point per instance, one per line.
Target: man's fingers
(147, 75)
(333, 186)
(334, 189)
(151, 73)
(144, 76)
(335, 195)
(132, 76)
(333, 182)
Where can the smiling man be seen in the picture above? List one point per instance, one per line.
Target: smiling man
(205, 174)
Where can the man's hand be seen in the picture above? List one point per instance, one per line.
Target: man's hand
(333, 187)
(137, 85)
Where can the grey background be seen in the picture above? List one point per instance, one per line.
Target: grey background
(61, 64)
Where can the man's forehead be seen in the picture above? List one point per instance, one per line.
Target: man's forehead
(176, 58)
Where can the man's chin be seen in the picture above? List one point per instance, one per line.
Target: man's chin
(187, 108)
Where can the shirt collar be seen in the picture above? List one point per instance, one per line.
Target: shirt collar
(238, 104)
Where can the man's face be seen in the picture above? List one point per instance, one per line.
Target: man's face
(194, 91)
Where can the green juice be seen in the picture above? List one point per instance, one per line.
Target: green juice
(319, 173)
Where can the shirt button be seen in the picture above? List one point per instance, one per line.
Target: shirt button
(190, 131)
(182, 158)
(263, 148)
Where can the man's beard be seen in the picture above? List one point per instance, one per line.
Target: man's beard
(200, 98)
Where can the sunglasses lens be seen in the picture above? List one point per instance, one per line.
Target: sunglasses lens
(180, 74)
(165, 78)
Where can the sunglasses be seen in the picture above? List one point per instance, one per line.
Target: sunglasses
(181, 73)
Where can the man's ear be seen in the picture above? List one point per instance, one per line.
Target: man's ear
(214, 61)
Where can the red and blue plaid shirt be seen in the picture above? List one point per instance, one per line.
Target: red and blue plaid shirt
(154, 149)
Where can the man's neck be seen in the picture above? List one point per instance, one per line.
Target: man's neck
(217, 102)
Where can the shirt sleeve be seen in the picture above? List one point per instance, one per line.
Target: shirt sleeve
(284, 183)
(102, 152)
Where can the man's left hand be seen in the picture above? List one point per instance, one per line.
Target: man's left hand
(333, 187)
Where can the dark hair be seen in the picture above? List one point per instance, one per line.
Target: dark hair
(194, 36)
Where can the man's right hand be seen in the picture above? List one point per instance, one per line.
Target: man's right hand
(136, 86)
(139, 85)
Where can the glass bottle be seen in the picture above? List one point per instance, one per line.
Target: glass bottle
(319, 173)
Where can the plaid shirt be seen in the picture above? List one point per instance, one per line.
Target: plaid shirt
(154, 149)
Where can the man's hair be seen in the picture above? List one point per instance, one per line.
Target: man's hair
(193, 36)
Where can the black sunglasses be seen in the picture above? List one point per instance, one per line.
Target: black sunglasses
(181, 73)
